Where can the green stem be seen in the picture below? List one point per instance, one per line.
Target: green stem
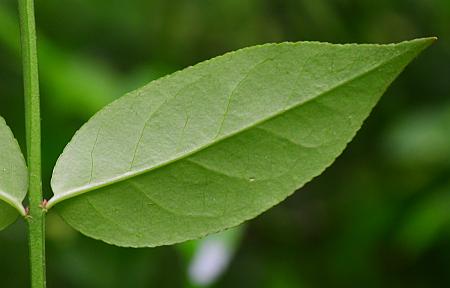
(36, 221)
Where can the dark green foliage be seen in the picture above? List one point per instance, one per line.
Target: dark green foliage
(364, 230)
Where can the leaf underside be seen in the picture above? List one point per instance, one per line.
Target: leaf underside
(13, 177)
(211, 146)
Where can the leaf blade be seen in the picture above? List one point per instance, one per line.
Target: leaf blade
(253, 104)
(13, 177)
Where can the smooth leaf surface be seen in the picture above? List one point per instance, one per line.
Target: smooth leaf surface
(211, 146)
(13, 177)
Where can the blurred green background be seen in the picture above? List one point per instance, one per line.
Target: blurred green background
(379, 217)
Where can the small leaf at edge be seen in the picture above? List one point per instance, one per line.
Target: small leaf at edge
(13, 177)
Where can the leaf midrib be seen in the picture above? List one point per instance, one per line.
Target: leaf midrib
(130, 174)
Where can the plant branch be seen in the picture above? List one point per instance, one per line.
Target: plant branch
(36, 221)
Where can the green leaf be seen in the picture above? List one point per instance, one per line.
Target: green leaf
(211, 146)
(13, 177)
